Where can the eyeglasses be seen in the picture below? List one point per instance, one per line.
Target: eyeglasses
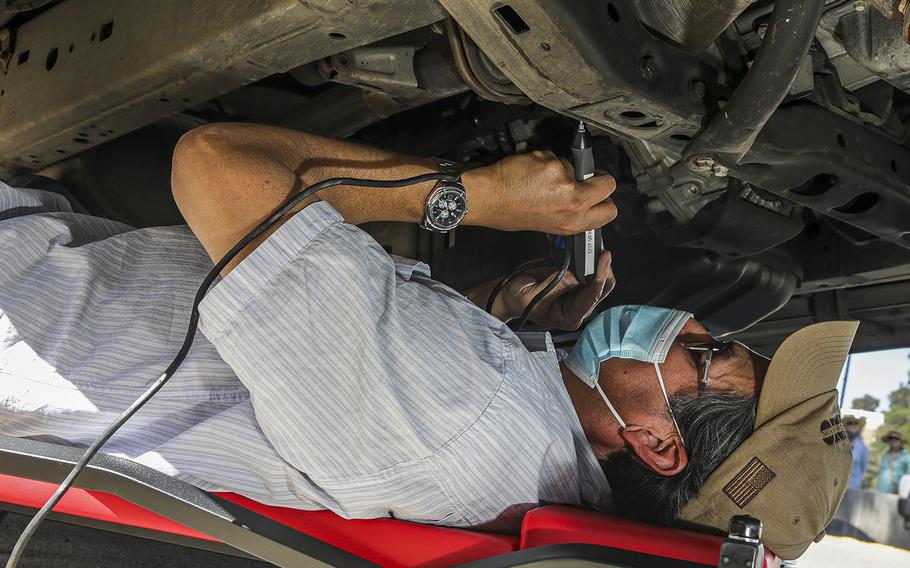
(702, 354)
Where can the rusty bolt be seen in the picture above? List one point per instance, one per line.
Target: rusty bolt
(708, 165)
(702, 164)
(691, 190)
(860, 5)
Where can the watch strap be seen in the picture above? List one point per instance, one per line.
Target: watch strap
(447, 167)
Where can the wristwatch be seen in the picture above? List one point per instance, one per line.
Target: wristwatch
(447, 204)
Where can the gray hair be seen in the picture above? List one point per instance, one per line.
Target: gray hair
(713, 425)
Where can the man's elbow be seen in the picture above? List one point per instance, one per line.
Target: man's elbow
(220, 139)
(198, 154)
(200, 146)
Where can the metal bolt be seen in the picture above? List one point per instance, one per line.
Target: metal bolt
(860, 6)
(647, 66)
(691, 190)
(708, 165)
(703, 164)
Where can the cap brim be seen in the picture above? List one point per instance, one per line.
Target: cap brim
(807, 363)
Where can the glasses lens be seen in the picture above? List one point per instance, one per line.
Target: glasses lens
(703, 354)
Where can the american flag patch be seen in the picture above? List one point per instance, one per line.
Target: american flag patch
(749, 482)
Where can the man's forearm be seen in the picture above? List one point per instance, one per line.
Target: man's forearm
(313, 158)
(227, 178)
(243, 172)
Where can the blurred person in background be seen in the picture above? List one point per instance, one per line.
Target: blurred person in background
(895, 463)
(860, 451)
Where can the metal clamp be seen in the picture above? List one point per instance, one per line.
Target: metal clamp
(743, 547)
(388, 69)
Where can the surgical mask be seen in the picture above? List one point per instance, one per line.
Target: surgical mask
(641, 333)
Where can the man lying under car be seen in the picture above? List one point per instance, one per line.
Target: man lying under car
(332, 375)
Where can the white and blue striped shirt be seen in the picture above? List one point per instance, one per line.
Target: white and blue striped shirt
(327, 374)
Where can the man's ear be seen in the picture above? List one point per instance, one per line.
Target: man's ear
(665, 454)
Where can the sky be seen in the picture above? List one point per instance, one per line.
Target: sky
(876, 373)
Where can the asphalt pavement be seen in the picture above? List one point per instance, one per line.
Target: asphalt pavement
(845, 552)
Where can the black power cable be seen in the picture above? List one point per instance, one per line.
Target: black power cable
(93, 449)
(547, 289)
(560, 274)
(514, 274)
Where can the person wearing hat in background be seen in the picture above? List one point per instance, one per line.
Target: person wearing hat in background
(854, 427)
(895, 463)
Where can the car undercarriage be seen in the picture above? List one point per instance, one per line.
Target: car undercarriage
(760, 147)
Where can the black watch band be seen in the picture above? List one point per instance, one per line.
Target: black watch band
(447, 167)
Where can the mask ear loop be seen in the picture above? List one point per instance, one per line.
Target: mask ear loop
(603, 395)
(660, 381)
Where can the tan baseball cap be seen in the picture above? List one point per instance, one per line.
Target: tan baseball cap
(792, 471)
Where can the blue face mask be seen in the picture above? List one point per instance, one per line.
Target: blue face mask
(642, 333)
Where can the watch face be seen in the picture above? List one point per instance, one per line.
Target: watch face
(447, 209)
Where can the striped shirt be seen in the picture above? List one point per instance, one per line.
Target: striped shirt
(326, 374)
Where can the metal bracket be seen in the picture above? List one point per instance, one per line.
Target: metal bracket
(743, 547)
(599, 65)
(86, 71)
(386, 69)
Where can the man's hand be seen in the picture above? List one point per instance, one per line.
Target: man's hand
(567, 305)
(227, 178)
(538, 192)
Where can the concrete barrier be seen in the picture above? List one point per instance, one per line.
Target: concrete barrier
(870, 516)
